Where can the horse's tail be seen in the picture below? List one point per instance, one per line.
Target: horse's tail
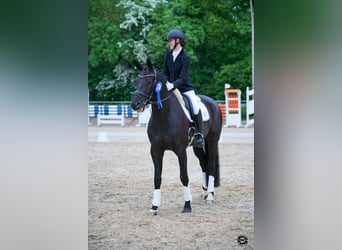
(217, 171)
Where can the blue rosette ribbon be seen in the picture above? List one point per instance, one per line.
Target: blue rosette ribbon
(157, 90)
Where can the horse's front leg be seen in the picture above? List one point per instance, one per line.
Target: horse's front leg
(157, 158)
(182, 160)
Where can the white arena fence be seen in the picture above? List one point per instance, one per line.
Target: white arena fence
(115, 112)
(111, 112)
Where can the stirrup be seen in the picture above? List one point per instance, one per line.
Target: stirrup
(198, 141)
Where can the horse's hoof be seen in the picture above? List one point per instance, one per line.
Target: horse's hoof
(154, 210)
(187, 207)
(186, 210)
(210, 198)
(204, 193)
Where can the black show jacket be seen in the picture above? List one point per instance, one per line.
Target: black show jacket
(177, 72)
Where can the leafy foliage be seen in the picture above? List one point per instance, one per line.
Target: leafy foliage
(218, 39)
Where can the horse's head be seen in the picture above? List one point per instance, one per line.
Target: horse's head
(145, 84)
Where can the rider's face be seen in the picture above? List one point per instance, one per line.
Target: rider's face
(172, 42)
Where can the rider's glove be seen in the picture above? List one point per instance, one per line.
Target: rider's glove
(169, 85)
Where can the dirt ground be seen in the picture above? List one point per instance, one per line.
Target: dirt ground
(121, 186)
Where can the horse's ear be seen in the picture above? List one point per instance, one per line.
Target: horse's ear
(138, 65)
(149, 63)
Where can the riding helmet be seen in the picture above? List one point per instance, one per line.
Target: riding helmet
(176, 34)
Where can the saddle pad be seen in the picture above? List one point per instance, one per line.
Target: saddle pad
(203, 108)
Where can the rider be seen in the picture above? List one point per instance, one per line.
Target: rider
(176, 69)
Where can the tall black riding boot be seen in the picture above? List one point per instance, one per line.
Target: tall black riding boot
(198, 137)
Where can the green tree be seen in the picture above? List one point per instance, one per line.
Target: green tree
(227, 48)
(103, 34)
(128, 46)
(218, 41)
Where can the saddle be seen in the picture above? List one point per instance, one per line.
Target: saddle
(187, 106)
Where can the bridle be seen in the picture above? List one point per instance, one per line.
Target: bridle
(146, 98)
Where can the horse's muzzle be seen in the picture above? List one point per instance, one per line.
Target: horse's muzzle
(137, 105)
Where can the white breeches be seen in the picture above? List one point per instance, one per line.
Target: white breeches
(194, 100)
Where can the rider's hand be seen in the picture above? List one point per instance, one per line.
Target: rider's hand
(169, 85)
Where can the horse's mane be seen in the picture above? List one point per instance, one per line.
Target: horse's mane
(161, 75)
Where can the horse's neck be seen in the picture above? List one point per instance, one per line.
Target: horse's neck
(166, 98)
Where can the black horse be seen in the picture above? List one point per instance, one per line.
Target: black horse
(168, 129)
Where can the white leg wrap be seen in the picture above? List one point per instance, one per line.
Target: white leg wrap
(211, 184)
(187, 194)
(156, 198)
(204, 180)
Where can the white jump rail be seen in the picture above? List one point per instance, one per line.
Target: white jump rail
(249, 107)
(111, 119)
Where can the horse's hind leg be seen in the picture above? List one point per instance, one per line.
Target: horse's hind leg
(182, 160)
(202, 160)
(212, 169)
(157, 157)
(208, 160)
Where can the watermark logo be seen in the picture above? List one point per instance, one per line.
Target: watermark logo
(242, 239)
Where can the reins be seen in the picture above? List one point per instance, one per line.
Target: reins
(162, 100)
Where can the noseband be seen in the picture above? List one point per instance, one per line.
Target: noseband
(145, 98)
